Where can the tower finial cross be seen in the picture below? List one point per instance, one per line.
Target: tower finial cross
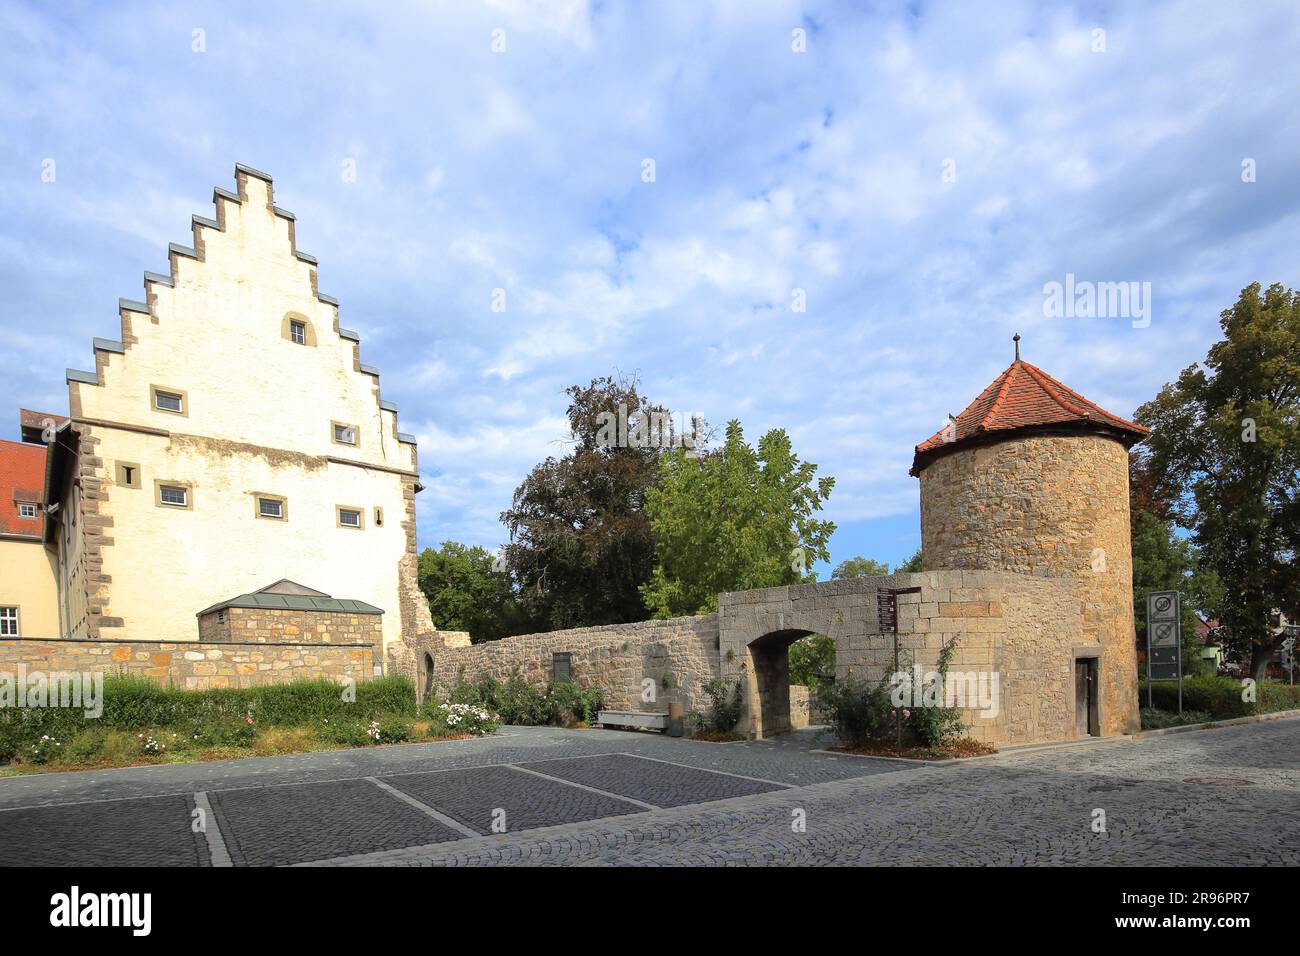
(1016, 338)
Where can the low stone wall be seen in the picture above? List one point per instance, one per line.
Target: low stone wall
(676, 657)
(194, 665)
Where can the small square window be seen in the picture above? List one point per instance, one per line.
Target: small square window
(270, 507)
(349, 518)
(128, 474)
(8, 622)
(176, 495)
(26, 510)
(298, 333)
(168, 401)
(345, 434)
(221, 616)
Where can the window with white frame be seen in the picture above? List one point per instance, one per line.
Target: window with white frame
(298, 332)
(270, 507)
(349, 518)
(345, 434)
(168, 401)
(8, 622)
(26, 510)
(177, 495)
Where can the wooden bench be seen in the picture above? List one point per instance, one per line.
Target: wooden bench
(633, 718)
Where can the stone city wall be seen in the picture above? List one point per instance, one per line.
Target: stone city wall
(194, 665)
(677, 656)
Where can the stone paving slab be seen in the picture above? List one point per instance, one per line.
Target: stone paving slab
(149, 832)
(786, 759)
(272, 826)
(526, 801)
(652, 781)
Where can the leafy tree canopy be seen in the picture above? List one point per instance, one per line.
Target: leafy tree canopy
(733, 519)
(466, 594)
(581, 544)
(1225, 453)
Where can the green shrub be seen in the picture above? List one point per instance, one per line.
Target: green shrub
(89, 743)
(1274, 697)
(393, 729)
(574, 704)
(859, 712)
(345, 731)
(1218, 696)
(725, 704)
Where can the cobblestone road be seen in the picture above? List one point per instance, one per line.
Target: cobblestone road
(1229, 796)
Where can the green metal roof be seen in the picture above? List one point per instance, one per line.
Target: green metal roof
(295, 602)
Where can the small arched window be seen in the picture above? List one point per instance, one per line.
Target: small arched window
(297, 328)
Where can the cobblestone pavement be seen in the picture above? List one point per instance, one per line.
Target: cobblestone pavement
(1229, 796)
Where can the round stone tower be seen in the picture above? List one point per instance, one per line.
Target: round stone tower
(1032, 477)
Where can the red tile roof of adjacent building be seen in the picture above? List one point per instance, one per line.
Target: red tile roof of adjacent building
(1022, 398)
(22, 479)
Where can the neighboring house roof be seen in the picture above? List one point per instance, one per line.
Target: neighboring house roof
(285, 586)
(32, 424)
(22, 479)
(1024, 398)
(294, 602)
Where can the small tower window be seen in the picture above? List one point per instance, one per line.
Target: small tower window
(167, 400)
(345, 434)
(349, 517)
(298, 332)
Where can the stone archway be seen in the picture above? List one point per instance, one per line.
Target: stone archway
(426, 676)
(769, 679)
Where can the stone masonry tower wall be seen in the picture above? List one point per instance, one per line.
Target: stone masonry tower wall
(1049, 505)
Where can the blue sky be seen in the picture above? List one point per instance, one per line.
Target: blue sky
(775, 170)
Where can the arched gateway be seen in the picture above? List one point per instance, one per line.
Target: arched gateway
(1025, 536)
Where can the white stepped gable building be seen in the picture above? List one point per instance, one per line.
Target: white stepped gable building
(230, 437)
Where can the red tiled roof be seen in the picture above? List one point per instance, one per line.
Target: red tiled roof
(22, 478)
(1023, 397)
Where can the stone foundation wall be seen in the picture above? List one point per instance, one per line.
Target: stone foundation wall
(677, 657)
(249, 625)
(194, 665)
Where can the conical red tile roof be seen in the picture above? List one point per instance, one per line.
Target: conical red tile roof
(1023, 398)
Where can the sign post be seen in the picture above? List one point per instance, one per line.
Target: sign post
(887, 615)
(1164, 640)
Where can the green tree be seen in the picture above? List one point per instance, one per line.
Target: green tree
(733, 519)
(1164, 561)
(1225, 451)
(581, 544)
(860, 567)
(466, 594)
(812, 661)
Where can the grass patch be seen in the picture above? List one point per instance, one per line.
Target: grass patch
(145, 723)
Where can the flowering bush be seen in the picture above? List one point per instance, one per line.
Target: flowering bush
(44, 749)
(151, 744)
(463, 719)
